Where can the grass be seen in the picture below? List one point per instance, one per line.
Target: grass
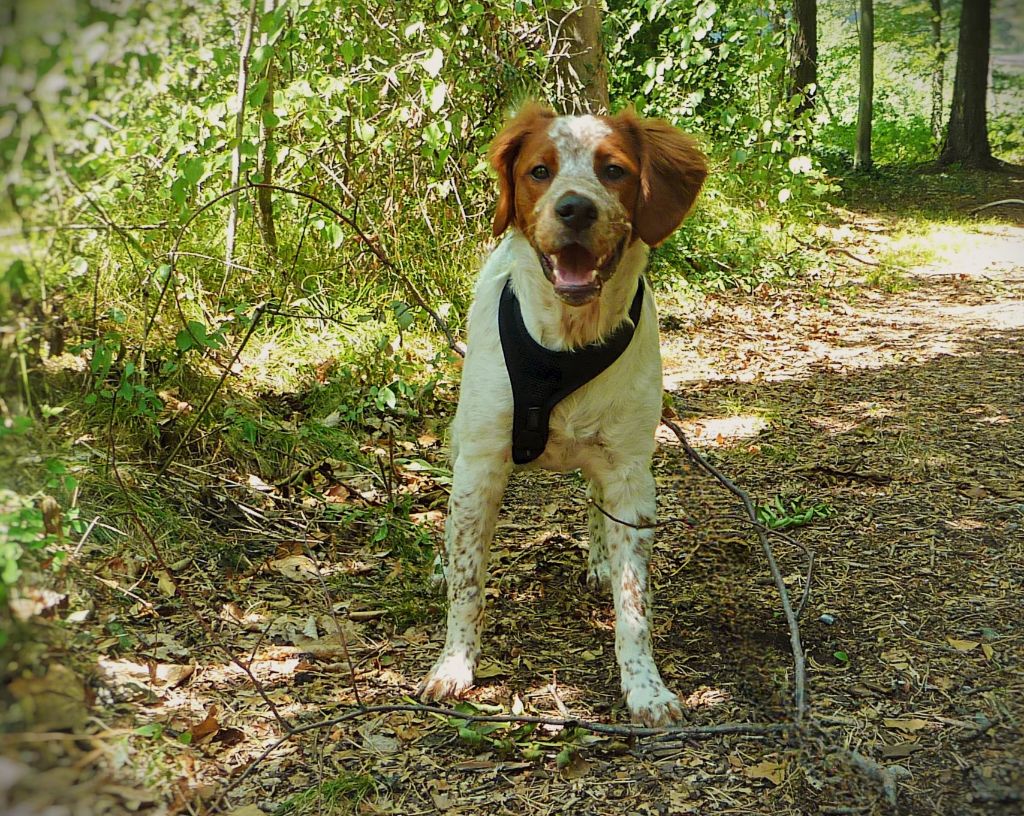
(332, 797)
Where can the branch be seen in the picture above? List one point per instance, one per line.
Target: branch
(976, 210)
(665, 732)
(799, 668)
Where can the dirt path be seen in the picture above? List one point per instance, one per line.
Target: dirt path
(895, 420)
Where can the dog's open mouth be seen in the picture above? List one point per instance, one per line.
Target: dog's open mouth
(577, 274)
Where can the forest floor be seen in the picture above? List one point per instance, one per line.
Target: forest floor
(879, 412)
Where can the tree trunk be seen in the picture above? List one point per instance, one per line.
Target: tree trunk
(938, 71)
(866, 31)
(248, 26)
(264, 196)
(967, 134)
(803, 54)
(581, 67)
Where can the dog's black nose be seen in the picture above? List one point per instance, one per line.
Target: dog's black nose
(576, 212)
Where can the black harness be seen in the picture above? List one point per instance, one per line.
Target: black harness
(542, 378)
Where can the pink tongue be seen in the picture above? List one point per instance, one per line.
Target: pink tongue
(574, 266)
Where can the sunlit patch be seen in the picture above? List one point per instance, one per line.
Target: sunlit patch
(952, 249)
(832, 424)
(706, 697)
(1000, 419)
(717, 431)
(965, 524)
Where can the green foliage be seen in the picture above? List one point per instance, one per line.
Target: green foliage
(721, 69)
(333, 797)
(511, 738)
(782, 513)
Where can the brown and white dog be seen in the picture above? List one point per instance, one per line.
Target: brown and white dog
(581, 200)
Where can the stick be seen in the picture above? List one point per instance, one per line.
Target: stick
(674, 732)
(799, 667)
(996, 204)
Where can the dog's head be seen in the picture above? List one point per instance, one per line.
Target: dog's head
(582, 188)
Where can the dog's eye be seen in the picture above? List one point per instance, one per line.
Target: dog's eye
(614, 172)
(540, 172)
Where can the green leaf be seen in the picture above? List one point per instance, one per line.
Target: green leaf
(16, 276)
(842, 657)
(183, 340)
(150, 730)
(193, 170)
(386, 398)
(404, 315)
(257, 92)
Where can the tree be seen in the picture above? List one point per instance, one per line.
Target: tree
(264, 195)
(581, 67)
(248, 25)
(803, 53)
(967, 134)
(938, 70)
(866, 31)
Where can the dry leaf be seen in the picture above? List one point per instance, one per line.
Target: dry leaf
(909, 725)
(490, 668)
(165, 583)
(900, 749)
(207, 728)
(774, 772)
(296, 568)
(962, 645)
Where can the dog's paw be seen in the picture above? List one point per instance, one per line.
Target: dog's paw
(599, 575)
(452, 676)
(653, 705)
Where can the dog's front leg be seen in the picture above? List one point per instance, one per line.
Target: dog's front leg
(477, 487)
(629, 495)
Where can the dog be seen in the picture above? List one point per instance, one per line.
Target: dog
(581, 200)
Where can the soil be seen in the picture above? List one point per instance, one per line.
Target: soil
(887, 428)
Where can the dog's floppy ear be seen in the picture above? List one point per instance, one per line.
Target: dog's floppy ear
(503, 154)
(672, 171)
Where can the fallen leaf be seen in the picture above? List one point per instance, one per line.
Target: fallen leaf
(247, 810)
(490, 668)
(774, 772)
(165, 583)
(296, 568)
(207, 728)
(962, 645)
(900, 749)
(577, 767)
(908, 725)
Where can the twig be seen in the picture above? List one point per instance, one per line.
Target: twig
(666, 732)
(755, 524)
(213, 393)
(32, 228)
(886, 777)
(799, 665)
(1000, 203)
(649, 526)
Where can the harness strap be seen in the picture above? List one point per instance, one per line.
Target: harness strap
(542, 378)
